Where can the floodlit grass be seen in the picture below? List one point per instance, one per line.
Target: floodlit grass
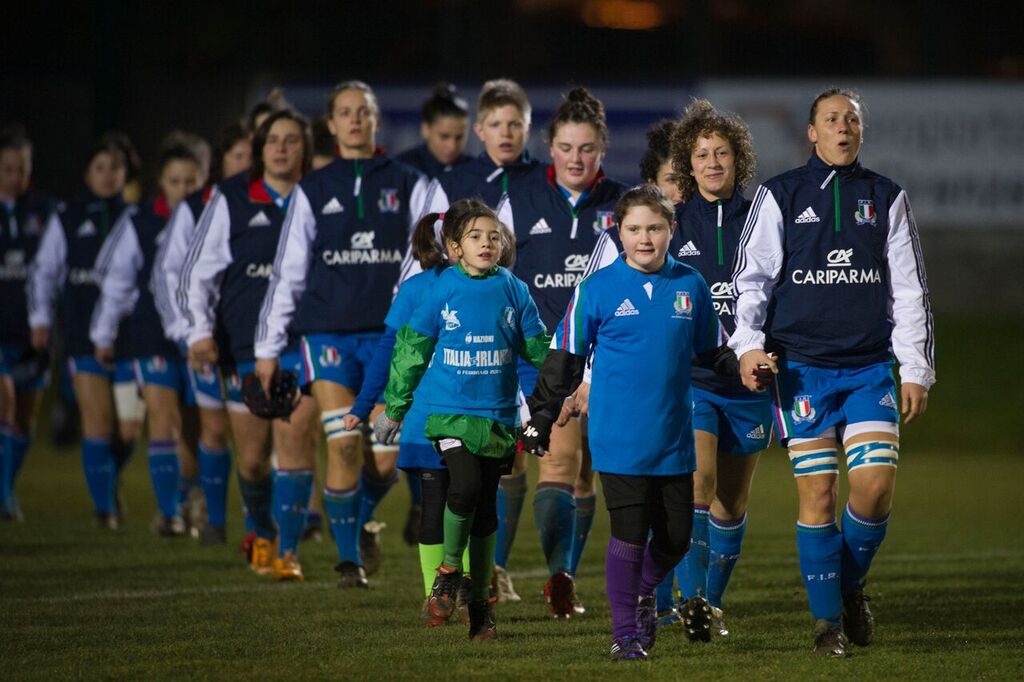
(77, 602)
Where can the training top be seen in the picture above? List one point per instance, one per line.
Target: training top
(555, 238)
(226, 270)
(421, 158)
(65, 261)
(644, 330)
(340, 251)
(829, 272)
(169, 258)
(21, 228)
(124, 268)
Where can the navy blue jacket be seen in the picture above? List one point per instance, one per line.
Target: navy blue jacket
(20, 232)
(420, 158)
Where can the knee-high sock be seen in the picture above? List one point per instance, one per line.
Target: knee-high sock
(664, 594)
(291, 497)
(257, 497)
(415, 489)
(373, 491)
(584, 522)
(656, 566)
(511, 494)
(456, 537)
(692, 571)
(342, 507)
(725, 538)
(431, 557)
(821, 553)
(554, 512)
(481, 564)
(214, 469)
(98, 463)
(862, 536)
(623, 566)
(165, 473)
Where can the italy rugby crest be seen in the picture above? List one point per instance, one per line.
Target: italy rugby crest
(865, 212)
(802, 410)
(389, 201)
(682, 304)
(604, 221)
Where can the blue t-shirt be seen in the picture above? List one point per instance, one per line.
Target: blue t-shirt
(480, 325)
(644, 330)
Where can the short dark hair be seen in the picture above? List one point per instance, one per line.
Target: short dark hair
(849, 94)
(502, 92)
(579, 106)
(649, 195)
(659, 149)
(701, 119)
(228, 137)
(444, 101)
(259, 141)
(14, 136)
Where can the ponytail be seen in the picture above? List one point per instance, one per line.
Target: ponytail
(426, 244)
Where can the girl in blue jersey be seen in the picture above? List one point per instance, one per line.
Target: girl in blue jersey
(23, 371)
(474, 322)
(829, 275)
(224, 279)
(64, 264)
(338, 261)
(444, 124)
(644, 318)
(557, 216)
(126, 310)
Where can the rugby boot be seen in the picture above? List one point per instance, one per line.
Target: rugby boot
(442, 600)
(370, 545)
(718, 623)
(351, 574)
(194, 512)
(503, 581)
(669, 617)
(647, 622)
(559, 591)
(171, 527)
(287, 568)
(261, 558)
(463, 597)
(481, 620)
(627, 649)
(696, 615)
(858, 623)
(829, 640)
(577, 604)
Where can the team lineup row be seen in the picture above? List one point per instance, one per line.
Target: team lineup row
(417, 294)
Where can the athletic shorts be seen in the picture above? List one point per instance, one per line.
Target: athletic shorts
(29, 370)
(414, 450)
(158, 370)
(339, 358)
(742, 424)
(122, 373)
(205, 384)
(290, 360)
(623, 490)
(810, 401)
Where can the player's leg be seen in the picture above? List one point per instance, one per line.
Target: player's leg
(96, 407)
(21, 419)
(625, 498)
(162, 406)
(255, 484)
(378, 476)
(510, 499)
(8, 504)
(293, 484)
(214, 455)
(692, 572)
(131, 414)
(586, 500)
(482, 539)
(554, 512)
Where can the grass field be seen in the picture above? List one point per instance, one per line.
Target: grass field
(80, 603)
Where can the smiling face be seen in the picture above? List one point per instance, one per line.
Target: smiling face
(445, 137)
(353, 122)
(503, 132)
(576, 152)
(714, 167)
(479, 247)
(178, 179)
(282, 152)
(645, 235)
(836, 132)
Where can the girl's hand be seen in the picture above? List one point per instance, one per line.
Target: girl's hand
(351, 421)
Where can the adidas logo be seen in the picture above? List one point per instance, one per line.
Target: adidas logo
(259, 220)
(626, 308)
(808, 216)
(689, 249)
(888, 401)
(332, 206)
(757, 434)
(541, 227)
(86, 229)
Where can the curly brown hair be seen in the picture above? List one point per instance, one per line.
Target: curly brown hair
(701, 119)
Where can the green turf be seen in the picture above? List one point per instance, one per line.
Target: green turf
(80, 603)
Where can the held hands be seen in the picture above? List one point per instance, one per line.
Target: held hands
(757, 369)
(913, 401)
(104, 355)
(203, 352)
(575, 405)
(537, 434)
(351, 421)
(385, 429)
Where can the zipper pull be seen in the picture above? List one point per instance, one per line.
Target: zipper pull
(835, 195)
(721, 255)
(575, 224)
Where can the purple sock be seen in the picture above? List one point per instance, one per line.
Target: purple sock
(656, 565)
(622, 577)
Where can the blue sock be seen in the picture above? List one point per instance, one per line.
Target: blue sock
(6, 466)
(257, 497)
(98, 463)
(692, 571)
(166, 474)
(554, 513)
(372, 492)
(17, 448)
(247, 522)
(291, 497)
(584, 522)
(511, 495)
(663, 594)
(862, 536)
(415, 489)
(724, 541)
(342, 507)
(821, 553)
(214, 469)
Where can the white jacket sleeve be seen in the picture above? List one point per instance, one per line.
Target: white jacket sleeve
(756, 270)
(604, 254)
(913, 334)
(47, 273)
(427, 197)
(208, 256)
(170, 257)
(117, 271)
(288, 277)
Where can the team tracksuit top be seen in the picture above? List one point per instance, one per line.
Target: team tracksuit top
(21, 228)
(829, 272)
(226, 271)
(65, 259)
(554, 240)
(420, 158)
(340, 252)
(124, 268)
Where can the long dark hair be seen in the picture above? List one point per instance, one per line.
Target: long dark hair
(429, 239)
(259, 140)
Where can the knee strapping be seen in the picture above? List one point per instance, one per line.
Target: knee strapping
(334, 424)
(380, 447)
(814, 462)
(872, 454)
